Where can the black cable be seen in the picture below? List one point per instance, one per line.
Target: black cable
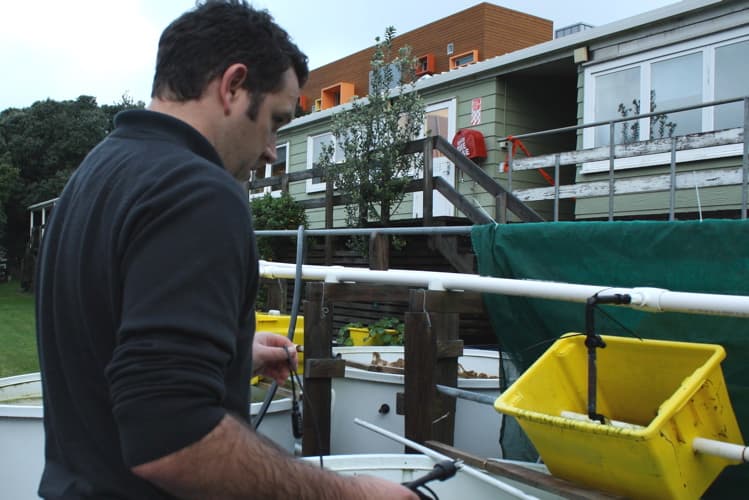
(441, 471)
(292, 321)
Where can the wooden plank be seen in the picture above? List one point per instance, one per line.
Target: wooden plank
(454, 301)
(420, 352)
(522, 474)
(640, 148)
(375, 368)
(362, 292)
(324, 368)
(317, 345)
(476, 215)
(491, 186)
(449, 349)
(645, 184)
(428, 198)
(429, 414)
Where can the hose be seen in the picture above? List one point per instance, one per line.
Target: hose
(296, 299)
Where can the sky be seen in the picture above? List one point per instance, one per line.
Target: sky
(60, 49)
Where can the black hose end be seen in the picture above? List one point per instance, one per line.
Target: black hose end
(297, 424)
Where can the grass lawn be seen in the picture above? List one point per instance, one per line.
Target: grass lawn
(17, 331)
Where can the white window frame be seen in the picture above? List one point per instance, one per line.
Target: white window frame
(269, 173)
(707, 47)
(312, 186)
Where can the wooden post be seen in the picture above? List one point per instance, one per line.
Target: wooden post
(317, 345)
(285, 183)
(427, 199)
(379, 251)
(277, 293)
(431, 357)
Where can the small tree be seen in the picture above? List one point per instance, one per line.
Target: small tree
(275, 212)
(372, 134)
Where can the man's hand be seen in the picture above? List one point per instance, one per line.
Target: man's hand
(271, 354)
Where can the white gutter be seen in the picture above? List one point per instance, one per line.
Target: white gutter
(644, 298)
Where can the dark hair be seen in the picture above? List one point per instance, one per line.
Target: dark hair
(202, 43)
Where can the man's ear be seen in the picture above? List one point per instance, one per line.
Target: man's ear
(231, 82)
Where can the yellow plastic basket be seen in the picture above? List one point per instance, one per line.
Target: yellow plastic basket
(671, 392)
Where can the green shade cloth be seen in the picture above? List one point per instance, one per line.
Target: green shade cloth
(686, 256)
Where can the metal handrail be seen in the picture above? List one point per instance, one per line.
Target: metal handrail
(612, 154)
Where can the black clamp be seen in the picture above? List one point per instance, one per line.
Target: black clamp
(594, 341)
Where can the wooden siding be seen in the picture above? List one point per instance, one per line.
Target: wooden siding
(490, 29)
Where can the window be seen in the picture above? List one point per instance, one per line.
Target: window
(731, 80)
(675, 83)
(617, 96)
(463, 59)
(681, 75)
(278, 167)
(314, 150)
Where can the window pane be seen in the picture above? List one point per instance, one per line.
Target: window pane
(279, 166)
(436, 124)
(255, 175)
(618, 96)
(317, 145)
(675, 83)
(731, 80)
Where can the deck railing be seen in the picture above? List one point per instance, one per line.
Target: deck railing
(671, 182)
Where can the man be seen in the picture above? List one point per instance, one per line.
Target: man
(147, 281)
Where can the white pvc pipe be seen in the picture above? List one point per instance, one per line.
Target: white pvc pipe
(517, 493)
(613, 423)
(645, 298)
(729, 451)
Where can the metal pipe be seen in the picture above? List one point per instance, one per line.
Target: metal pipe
(367, 231)
(463, 394)
(612, 156)
(644, 298)
(571, 128)
(745, 160)
(517, 493)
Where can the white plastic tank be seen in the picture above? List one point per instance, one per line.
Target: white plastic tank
(22, 432)
(371, 395)
(400, 468)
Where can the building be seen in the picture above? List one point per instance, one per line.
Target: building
(688, 53)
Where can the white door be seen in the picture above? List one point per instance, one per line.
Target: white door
(439, 119)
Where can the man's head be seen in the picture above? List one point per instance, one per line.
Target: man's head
(202, 43)
(222, 55)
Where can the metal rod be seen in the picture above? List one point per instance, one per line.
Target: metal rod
(570, 128)
(439, 456)
(672, 188)
(367, 231)
(557, 162)
(745, 160)
(612, 153)
(463, 394)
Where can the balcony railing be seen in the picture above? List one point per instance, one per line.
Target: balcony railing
(670, 182)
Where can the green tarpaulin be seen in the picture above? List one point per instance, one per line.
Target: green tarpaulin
(687, 256)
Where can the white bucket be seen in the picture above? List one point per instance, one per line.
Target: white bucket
(400, 468)
(22, 433)
(362, 394)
